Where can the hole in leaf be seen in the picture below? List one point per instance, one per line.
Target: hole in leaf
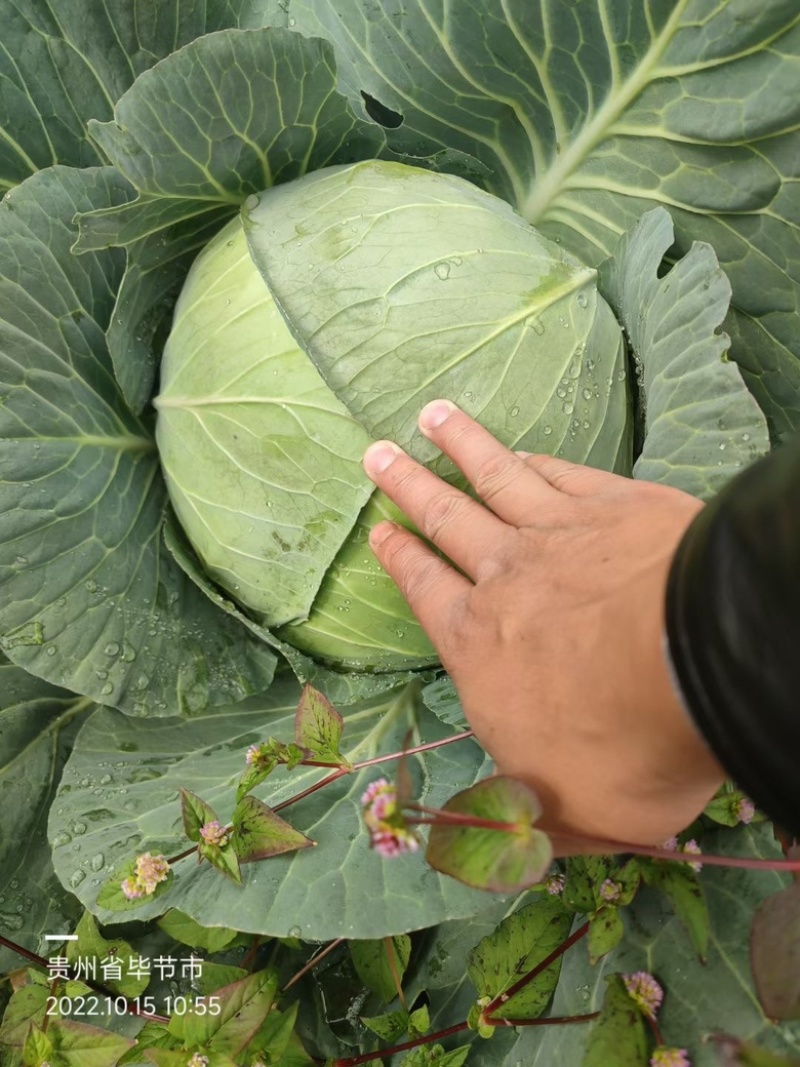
(380, 113)
(422, 1001)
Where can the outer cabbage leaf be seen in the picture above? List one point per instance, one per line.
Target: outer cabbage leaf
(340, 888)
(228, 115)
(37, 723)
(89, 597)
(699, 423)
(588, 114)
(63, 64)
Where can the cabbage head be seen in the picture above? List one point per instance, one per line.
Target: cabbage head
(325, 316)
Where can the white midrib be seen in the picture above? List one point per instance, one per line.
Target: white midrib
(546, 189)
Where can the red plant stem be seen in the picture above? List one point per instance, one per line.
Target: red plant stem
(130, 1007)
(656, 1029)
(443, 818)
(705, 858)
(501, 998)
(341, 771)
(312, 963)
(413, 751)
(557, 1020)
(368, 1057)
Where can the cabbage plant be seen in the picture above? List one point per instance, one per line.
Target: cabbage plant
(241, 239)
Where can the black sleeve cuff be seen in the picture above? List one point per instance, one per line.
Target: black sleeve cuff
(733, 631)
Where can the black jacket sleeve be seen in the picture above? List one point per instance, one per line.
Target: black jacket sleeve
(733, 630)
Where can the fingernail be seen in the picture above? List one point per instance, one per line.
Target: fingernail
(523, 455)
(379, 533)
(434, 414)
(379, 456)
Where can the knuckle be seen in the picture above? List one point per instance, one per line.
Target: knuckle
(495, 474)
(440, 513)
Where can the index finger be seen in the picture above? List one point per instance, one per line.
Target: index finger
(433, 590)
(508, 485)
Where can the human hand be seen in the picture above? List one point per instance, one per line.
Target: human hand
(552, 627)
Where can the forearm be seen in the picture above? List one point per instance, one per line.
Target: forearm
(733, 629)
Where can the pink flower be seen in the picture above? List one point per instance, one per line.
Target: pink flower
(393, 842)
(252, 754)
(213, 833)
(150, 870)
(744, 810)
(610, 891)
(645, 990)
(389, 834)
(197, 1061)
(555, 884)
(670, 1057)
(132, 889)
(693, 847)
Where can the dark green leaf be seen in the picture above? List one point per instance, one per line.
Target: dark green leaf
(588, 114)
(66, 65)
(38, 723)
(89, 596)
(381, 964)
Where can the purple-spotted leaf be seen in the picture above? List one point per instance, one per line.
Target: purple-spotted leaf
(522, 941)
(79, 1045)
(618, 1037)
(605, 932)
(775, 953)
(111, 895)
(259, 833)
(318, 727)
(224, 859)
(244, 1006)
(381, 963)
(682, 886)
(734, 1052)
(389, 1027)
(502, 860)
(196, 813)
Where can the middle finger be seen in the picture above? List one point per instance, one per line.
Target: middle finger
(463, 529)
